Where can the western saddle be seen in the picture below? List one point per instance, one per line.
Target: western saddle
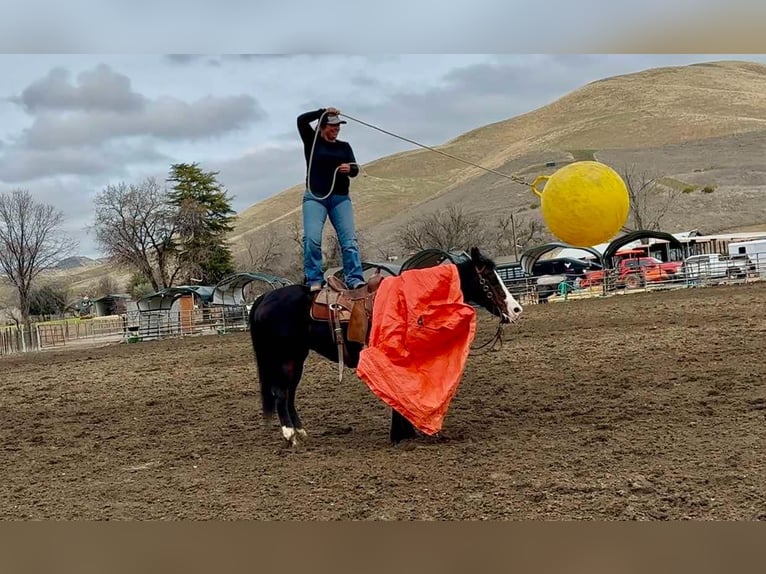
(340, 306)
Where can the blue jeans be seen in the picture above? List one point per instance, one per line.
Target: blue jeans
(341, 214)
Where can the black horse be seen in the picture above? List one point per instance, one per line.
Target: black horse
(283, 332)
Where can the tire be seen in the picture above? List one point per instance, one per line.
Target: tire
(633, 281)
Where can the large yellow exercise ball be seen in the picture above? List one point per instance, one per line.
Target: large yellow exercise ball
(584, 203)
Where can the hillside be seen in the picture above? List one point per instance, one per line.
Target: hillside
(75, 262)
(694, 126)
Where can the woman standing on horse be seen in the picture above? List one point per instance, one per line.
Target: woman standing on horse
(330, 163)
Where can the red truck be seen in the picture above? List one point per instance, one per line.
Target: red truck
(635, 271)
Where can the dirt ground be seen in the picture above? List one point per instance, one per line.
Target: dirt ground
(636, 407)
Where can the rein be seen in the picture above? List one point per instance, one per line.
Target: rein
(495, 339)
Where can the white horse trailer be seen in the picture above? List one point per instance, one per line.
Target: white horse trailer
(754, 250)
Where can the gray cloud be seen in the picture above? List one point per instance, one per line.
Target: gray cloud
(183, 59)
(165, 118)
(218, 60)
(260, 173)
(102, 106)
(97, 89)
(21, 164)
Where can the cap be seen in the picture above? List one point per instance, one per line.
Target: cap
(332, 120)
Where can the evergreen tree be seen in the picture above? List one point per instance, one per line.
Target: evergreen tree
(206, 217)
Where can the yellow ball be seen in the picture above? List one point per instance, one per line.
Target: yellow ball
(584, 203)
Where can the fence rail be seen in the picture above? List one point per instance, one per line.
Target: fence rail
(129, 327)
(533, 290)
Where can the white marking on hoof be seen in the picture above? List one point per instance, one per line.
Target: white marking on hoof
(302, 433)
(289, 434)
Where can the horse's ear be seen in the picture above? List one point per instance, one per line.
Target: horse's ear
(475, 255)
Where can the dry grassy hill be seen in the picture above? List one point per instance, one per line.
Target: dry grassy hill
(695, 125)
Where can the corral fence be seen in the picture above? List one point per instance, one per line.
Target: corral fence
(135, 326)
(533, 290)
(130, 327)
(704, 274)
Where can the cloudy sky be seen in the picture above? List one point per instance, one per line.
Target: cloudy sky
(71, 124)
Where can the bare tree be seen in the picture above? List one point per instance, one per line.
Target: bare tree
(649, 200)
(135, 226)
(387, 251)
(261, 252)
(515, 235)
(295, 233)
(290, 263)
(448, 229)
(107, 286)
(31, 241)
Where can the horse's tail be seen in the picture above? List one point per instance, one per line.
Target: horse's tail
(267, 398)
(251, 315)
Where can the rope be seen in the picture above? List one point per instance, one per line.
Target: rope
(515, 178)
(311, 158)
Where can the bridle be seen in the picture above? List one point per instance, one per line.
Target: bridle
(495, 298)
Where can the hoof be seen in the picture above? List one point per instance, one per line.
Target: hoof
(290, 435)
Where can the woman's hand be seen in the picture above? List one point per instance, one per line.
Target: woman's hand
(344, 168)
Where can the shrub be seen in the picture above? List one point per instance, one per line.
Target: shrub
(708, 189)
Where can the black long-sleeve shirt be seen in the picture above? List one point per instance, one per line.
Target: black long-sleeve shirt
(327, 156)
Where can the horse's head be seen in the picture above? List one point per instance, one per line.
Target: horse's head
(482, 285)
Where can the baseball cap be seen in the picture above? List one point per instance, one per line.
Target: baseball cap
(332, 121)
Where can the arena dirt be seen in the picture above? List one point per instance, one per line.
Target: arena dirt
(635, 407)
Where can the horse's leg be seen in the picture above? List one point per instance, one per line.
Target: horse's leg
(284, 394)
(401, 428)
(288, 430)
(281, 392)
(292, 411)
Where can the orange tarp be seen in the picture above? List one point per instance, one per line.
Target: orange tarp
(419, 341)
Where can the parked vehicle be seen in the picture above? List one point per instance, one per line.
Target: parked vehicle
(755, 249)
(746, 262)
(568, 266)
(714, 266)
(546, 275)
(634, 272)
(751, 253)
